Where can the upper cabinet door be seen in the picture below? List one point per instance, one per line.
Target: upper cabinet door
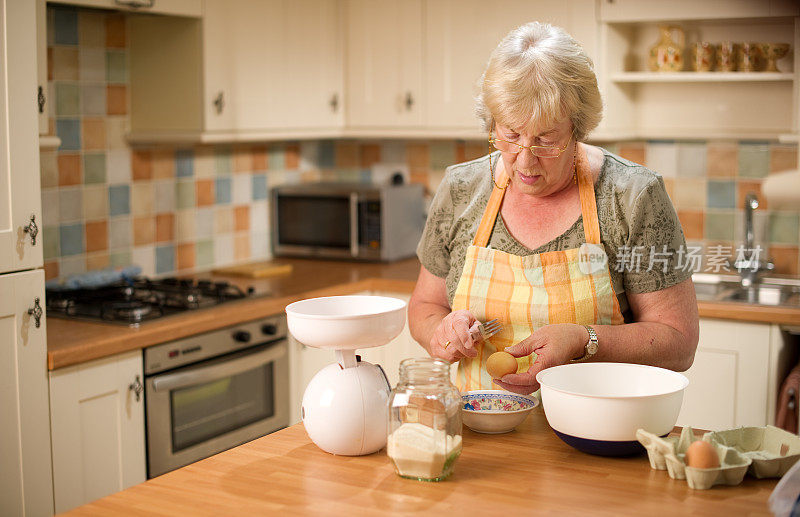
(173, 7)
(653, 10)
(461, 35)
(384, 63)
(19, 170)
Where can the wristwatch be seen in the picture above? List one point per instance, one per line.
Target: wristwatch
(591, 345)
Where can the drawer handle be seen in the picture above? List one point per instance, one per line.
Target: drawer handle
(136, 387)
(32, 229)
(36, 312)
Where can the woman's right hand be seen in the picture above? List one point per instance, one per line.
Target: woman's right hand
(452, 339)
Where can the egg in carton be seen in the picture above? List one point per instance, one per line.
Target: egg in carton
(670, 452)
(772, 450)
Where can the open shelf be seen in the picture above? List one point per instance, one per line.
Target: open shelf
(700, 77)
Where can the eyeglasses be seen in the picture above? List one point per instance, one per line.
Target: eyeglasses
(542, 151)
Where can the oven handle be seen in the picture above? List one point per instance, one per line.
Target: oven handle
(218, 371)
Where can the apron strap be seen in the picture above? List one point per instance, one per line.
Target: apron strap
(591, 223)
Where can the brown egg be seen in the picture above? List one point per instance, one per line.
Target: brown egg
(702, 455)
(501, 363)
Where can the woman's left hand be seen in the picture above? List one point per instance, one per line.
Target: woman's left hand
(554, 345)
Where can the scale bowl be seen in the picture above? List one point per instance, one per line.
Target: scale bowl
(346, 322)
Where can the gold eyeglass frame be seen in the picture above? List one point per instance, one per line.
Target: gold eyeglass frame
(529, 147)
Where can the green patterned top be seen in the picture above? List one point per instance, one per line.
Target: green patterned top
(637, 221)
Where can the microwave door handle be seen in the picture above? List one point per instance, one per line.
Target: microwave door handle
(354, 224)
(219, 371)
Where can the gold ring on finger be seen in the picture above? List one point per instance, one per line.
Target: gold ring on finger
(446, 345)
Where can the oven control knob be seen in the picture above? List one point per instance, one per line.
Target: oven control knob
(242, 336)
(269, 329)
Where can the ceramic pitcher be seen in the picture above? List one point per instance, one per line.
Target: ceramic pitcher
(667, 54)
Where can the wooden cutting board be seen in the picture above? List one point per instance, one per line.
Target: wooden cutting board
(255, 270)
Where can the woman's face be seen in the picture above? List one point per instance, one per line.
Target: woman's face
(535, 175)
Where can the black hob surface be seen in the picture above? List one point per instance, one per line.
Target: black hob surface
(133, 301)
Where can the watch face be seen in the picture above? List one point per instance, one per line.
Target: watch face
(591, 348)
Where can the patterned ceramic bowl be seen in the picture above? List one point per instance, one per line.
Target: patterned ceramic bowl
(495, 411)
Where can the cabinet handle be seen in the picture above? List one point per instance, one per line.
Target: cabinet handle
(41, 99)
(219, 103)
(32, 229)
(136, 387)
(36, 312)
(334, 102)
(409, 101)
(136, 4)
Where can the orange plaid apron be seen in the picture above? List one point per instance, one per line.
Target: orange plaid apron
(528, 292)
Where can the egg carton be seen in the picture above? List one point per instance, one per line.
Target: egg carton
(772, 450)
(669, 453)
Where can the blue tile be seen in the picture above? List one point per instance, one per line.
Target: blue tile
(69, 131)
(327, 154)
(721, 194)
(71, 237)
(259, 186)
(223, 190)
(165, 259)
(119, 199)
(65, 26)
(184, 163)
(366, 176)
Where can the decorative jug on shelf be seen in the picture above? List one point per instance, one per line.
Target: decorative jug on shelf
(667, 54)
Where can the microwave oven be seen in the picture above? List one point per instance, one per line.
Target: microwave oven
(347, 221)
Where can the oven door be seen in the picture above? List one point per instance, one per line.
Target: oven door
(208, 407)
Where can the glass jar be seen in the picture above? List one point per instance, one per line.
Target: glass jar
(424, 421)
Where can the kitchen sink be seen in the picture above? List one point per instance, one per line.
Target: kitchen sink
(727, 288)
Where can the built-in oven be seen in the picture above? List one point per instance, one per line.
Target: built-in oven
(213, 391)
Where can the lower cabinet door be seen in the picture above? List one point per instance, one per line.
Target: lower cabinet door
(729, 380)
(97, 417)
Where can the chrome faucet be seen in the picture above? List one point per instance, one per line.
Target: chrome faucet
(750, 265)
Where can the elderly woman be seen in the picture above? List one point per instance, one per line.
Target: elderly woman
(583, 262)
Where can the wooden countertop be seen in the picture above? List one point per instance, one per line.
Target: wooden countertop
(526, 471)
(72, 342)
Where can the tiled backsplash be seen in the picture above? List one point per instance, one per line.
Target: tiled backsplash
(178, 209)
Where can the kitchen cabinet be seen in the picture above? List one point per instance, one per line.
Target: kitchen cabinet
(688, 104)
(172, 7)
(384, 64)
(26, 484)
(736, 375)
(97, 418)
(250, 69)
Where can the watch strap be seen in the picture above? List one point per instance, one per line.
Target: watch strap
(591, 346)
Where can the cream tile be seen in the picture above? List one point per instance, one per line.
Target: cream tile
(690, 193)
(142, 198)
(70, 204)
(92, 65)
(259, 245)
(259, 217)
(95, 202)
(118, 166)
(223, 220)
(205, 223)
(145, 258)
(185, 225)
(49, 167)
(50, 211)
(662, 158)
(204, 162)
(119, 233)
(164, 196)
(223, 249)
(116, 128)
(242, 189)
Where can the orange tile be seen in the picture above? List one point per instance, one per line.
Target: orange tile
(346, 155)
(634, 152)
(417, 157)
(241, 218)
(370, 155)
(96, 236)
(95, 261)
(292, 156)
(116, 100)
(144, 230)
(785, 259)
(185, 256)
(165, 227)
(722, 160)
(419, 177)
(204, 190)
(782, 158)
(259, 158)
(93, 133)
(460, 152)
(692, 222)
(69, 169)
(50, 62)
(51, 270)
(163, 163)
(242, 160)
(241, 246)
(115, 31)
(745, 187)
(141, 165)
(475, 150)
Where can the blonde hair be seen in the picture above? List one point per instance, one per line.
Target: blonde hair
(536, 76)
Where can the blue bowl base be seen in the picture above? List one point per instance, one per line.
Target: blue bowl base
(602, 447)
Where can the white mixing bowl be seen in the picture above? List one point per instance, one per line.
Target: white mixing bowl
(346, 322)
(597, 407)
